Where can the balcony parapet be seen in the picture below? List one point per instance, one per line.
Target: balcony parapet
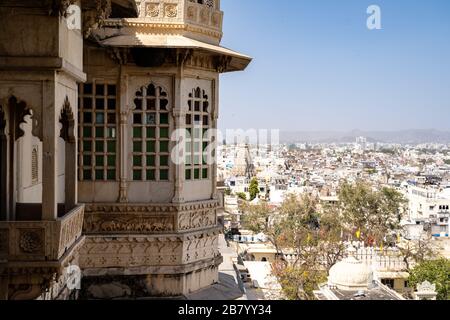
(150, 218)
(40, 240)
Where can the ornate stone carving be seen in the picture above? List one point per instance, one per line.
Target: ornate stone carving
(192, 13)
(95, 16)
(71, 229)
(58, 7)
(31, 241)
(426, 286)
(204, 16)
(141, 251)
(126, 223)
(196, 220)
(171, 10)
(152, 10)
(215, 19)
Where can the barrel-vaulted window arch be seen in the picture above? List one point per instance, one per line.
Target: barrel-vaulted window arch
(151, 132)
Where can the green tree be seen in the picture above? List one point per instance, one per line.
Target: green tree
(299, 228)
(436, 272)
(242, 196)
(373, 214)
(253, 189)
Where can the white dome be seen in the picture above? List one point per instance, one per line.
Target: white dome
(350, 274)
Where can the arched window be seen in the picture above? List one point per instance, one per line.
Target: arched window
(97, 131)
(151, 134)
(198, 121)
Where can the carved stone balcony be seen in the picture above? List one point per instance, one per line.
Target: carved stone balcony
(150, 218)
(40, 240)
(35, 256)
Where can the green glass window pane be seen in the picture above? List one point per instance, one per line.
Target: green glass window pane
(87, 146)
(163, 175)
(87, 175)
(188, 159)
(164, 133)
(87, 132)
(205, 146)
(196, 174)
(205, 158)
(111, 146)
(164, 161)
(188, 174)
(111, 174)
(137, 175)
(196, 159)
(150, 161)
(99, 161)
(137, 146)
(188, 146)
(99, 132)
(151, 146)
(164, 118)
(99, 118)
(111, 132)
(150, 175)
(205, 174)
(197, 133)
(99, 146)
(99, 175)
(111, 161)
(197, 147)
(151, 133)
(137, 132)
(189, 133)
(164, 146)
(87, 160)
(137, 161)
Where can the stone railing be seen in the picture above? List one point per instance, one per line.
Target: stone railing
(203, 15)
(40, 240)
(150, 218)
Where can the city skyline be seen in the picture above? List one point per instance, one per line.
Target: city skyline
(345, 76)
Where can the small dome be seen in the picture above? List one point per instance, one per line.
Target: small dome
(350, 274)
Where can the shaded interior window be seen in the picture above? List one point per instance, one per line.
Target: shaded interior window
(97, 131)
(198, 123)
(151, 134)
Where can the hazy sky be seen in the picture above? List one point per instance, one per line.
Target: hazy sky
(317, 67)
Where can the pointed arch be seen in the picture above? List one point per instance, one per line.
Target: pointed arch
(67, 120)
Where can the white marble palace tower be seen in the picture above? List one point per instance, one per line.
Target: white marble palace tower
(87, 123)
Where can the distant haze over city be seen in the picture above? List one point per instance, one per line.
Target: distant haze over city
(401, 136)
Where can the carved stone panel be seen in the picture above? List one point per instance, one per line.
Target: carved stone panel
(31, 241)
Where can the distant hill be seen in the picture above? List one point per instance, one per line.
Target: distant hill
(404, 136)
